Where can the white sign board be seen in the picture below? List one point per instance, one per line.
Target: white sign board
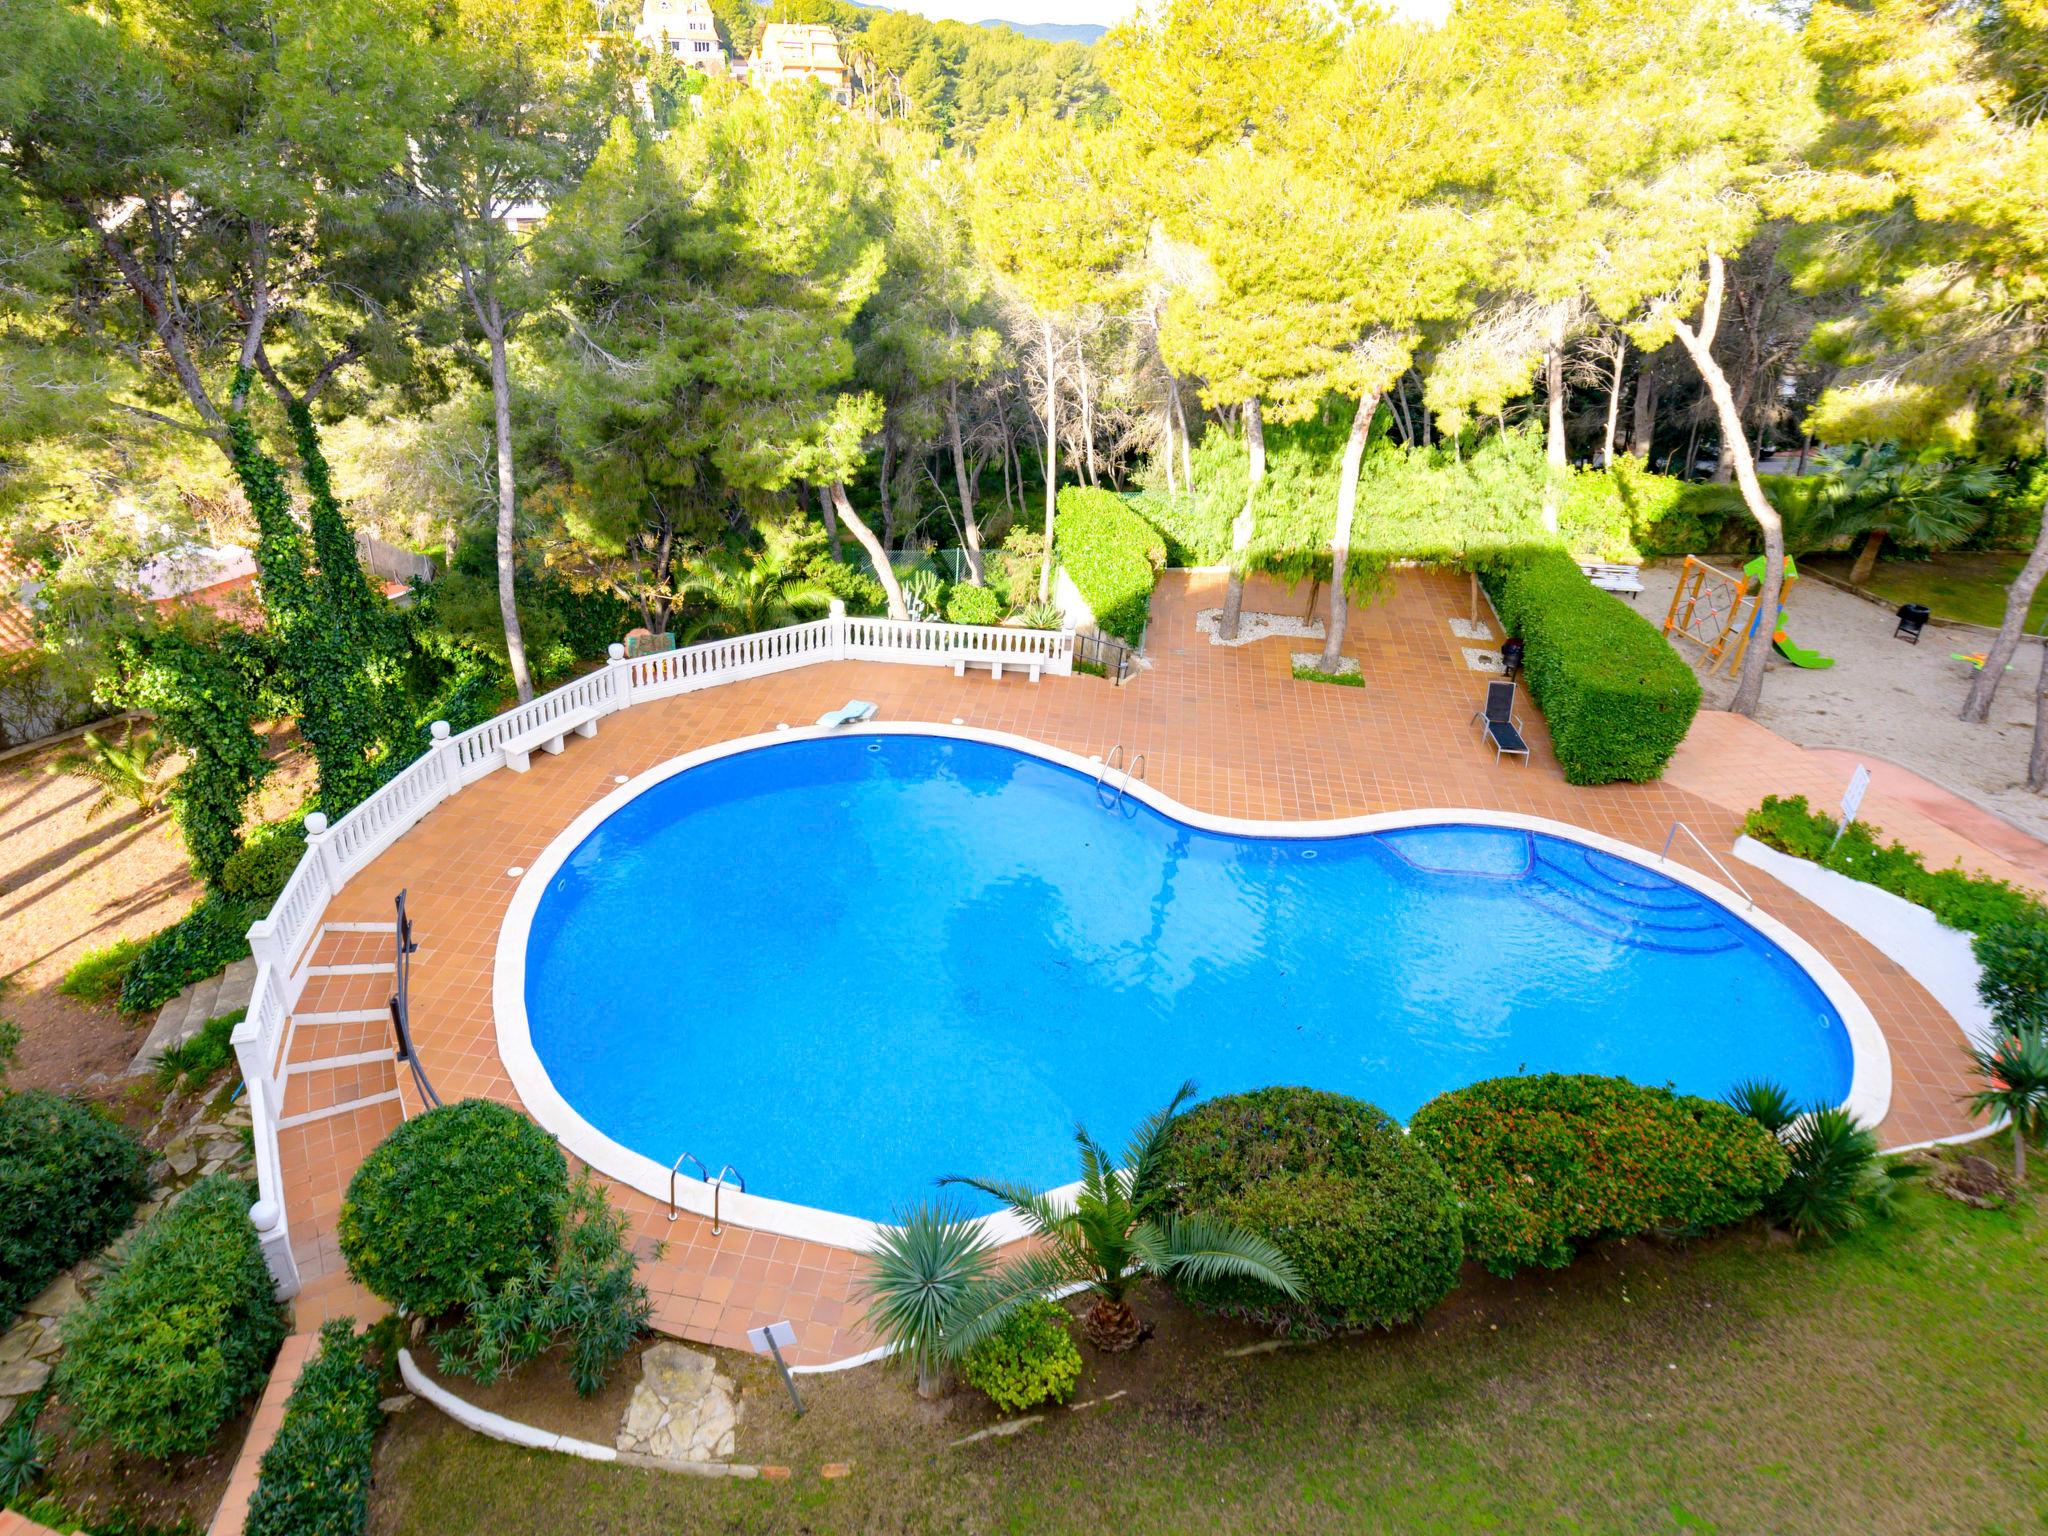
(1852, 801)
(775, 1336)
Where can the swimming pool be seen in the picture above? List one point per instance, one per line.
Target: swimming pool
(849, 964)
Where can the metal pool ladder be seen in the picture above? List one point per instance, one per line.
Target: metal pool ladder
(1135, 770)
(1665, 858)
(717, 1186)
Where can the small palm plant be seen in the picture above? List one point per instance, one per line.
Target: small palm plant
(137, 768)
(1765, 1102)
(1839, 1180)
(916, 1277)
(1116, 1229)
(2015, 1071)
(741, 597)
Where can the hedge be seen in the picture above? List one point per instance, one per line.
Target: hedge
(180, 1332)
(1617, 697)
(70, 1178)
(258, 870)
(466, 1195)
(1548, 1162)
(973, 605)
(1112, 555)
(203, 943)
(315, 1478)
(1365, 1213)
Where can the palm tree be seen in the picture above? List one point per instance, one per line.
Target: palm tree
(1880, 493)
(137, 769)
(2015, 1069)
(743, 597)
(1116, 1228)
(916, 1275)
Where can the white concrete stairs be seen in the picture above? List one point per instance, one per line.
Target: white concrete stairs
(339, 1055)
(187, 1013)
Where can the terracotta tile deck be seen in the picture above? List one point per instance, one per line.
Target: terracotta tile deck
(1226, 730)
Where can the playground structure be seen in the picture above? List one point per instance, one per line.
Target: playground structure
(1716, 610)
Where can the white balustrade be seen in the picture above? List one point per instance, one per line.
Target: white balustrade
(337, 852)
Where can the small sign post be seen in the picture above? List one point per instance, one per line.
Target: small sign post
(1852, 801)
(772, 1340)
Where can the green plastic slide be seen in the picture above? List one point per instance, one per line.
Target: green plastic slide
(1797, 654)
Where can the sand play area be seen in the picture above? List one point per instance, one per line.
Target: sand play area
(1884, 698)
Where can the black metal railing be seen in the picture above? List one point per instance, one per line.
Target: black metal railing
(1109, 657)
(401, 1006)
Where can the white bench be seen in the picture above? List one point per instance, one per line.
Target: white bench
(1622, 580)
(549, 736)
(995, 661)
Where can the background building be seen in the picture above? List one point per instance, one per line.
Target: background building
(798, 51)
(682, 29)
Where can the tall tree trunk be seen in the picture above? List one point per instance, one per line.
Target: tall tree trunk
(888, 473)
(1052, 459)
(1166, 413)
(1241, 530)
(1699, 345)
(831, 520)
(970, 529)
(1643, 420)
(1399, 399)
(2018, 597)
(1340, 536)
(1613, 404)
(501, 419)
(1087, 407)
(1187, 453)
(1866, 558)
(2037, 760)
(877, 555)
(1725, 466)
(1554, 454)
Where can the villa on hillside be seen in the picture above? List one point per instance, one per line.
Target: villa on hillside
(682, 29)
(797, 51)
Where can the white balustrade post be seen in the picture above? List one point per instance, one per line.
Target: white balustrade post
(267, 1217)
(621, 672)
(443, 747)
(263, 945)
(320, 842)
(837, 614)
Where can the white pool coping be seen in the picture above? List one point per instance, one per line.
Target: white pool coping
(1870, 1086)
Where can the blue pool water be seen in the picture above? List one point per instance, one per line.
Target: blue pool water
(851, 965)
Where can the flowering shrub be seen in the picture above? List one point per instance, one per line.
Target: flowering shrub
(1546, 1163)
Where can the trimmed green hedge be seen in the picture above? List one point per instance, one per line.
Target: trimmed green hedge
(1548, 1162)
(1113, 556)
(1617, 697)
(973, 605)
(1364, 1212)
(467, 1195)
(70, 1178)
(203, 943)
(180, 1333)
(315, 1478)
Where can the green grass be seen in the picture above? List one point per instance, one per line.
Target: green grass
(96, 975)
(1890, 1384)
(196, 1060)
(1341, 679)
(1970, 587)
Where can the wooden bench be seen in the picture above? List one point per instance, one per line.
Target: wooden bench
(995, 661)
(1622, 580)
(549, 736)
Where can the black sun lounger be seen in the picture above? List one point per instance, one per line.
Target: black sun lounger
(1503, 727)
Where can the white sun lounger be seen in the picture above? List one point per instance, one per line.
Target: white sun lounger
(852, 712)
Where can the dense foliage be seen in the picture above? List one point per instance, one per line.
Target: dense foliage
(265, 861)
(1617, 697)
(583, 1291)
(1546, 1163)
(315, 1478)
(202, 943)
(1113, 556)
(1972, 903)
(179, 1332)
(1364, 1212)
(465, 1195)
(1030, 1359)
(70, 1178)
(973, 605)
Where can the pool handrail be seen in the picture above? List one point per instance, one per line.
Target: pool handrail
(1665, 858)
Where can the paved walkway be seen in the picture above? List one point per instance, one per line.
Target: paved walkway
(1226, 730)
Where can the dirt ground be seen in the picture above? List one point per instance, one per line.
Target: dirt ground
(1887, 699)
(69, 884)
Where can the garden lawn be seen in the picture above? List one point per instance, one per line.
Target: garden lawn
(1890, 1384)
(1969, 586)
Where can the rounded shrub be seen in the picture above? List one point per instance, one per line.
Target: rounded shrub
(258, 870)
(1367, 1216)
(973, 605)
(1548, 1162)
(467, 1194)
(182, 1330)
(69, 1180)
(1030, 1359)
